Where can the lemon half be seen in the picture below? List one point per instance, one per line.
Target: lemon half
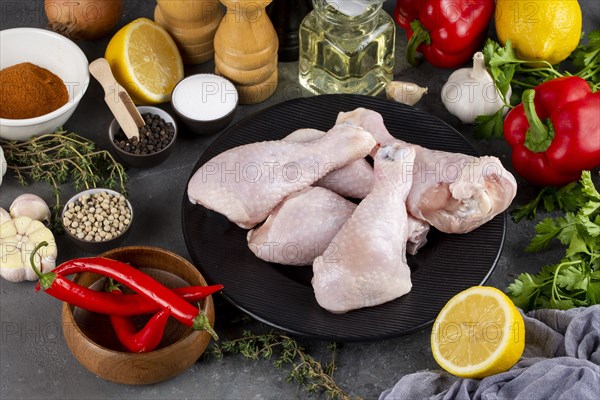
(145, 61)
(478, 333)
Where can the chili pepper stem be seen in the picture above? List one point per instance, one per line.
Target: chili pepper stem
(46, 279)
(201, 323)
(420, 35)
(539, 135)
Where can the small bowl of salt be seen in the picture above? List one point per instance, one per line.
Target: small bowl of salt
(205, 103)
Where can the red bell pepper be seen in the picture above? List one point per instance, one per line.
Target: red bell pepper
(447, 32)
(555, 132)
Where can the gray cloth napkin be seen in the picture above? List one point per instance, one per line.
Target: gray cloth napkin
(561, 361)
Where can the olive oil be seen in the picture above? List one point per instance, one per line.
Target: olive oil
(346, 51)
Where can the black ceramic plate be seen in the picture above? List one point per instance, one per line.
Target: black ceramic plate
(282, 296)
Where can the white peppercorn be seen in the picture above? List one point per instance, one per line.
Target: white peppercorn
(97, 217)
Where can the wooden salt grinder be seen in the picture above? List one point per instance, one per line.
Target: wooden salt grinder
(192, 24)
(246, 49)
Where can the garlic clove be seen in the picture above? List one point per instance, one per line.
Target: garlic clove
(3, 165)
(404, 92)
(32, 206)
(4, 216)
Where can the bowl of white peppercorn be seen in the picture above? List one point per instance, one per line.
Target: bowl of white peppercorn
(97, 220)
(155, 143)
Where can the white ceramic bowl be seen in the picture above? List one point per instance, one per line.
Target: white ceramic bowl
(57, 54)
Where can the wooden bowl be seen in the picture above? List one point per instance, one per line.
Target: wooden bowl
(92, 341)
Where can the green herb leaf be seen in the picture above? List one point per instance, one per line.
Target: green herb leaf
(575, 281)
(586, 54)
(591, 228)
(577, 245)
(570, 197)
(593, 292)
(561, 304)
(529, 210)
(504, 78)
(562, 228)
(490, 126)
(503, 55)
(571, 277)
(489, 49)
(588, 186)
(524, 290)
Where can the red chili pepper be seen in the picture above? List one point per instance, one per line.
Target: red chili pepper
(147, 338)
(447, 32)
(136, 304)
(555, 132)
(64, 289)
(125, 305)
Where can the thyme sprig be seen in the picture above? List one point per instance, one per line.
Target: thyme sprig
(62, 156)
(305, 370)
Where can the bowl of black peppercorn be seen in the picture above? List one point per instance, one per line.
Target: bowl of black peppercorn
(155, 143)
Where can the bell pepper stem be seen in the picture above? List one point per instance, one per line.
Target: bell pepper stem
(420, 35)
(539, 135)
(201, 323)
(46, 279)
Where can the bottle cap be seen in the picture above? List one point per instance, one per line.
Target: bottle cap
(352, 8)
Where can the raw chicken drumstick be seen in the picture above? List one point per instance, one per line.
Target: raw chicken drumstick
(301, 227)
(365, 264)
(354, 180)
(454, 192)
(247, 182)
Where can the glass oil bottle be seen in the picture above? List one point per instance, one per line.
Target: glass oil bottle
(346, 46)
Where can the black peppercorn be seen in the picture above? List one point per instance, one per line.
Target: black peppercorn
(155, 135)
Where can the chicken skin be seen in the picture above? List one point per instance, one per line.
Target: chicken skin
(247, 182)
(453, 192)
(301, 227)
(354, 180)
(365, 264)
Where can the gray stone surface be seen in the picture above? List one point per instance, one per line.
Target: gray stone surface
(34, 359)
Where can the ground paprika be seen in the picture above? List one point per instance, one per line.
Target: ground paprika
(28, 91)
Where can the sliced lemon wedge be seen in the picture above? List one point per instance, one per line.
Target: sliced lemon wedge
(145, 61)
(478, 333)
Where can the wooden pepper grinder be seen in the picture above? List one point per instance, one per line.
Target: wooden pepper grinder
(287, 17)
(192, 25)
(246, 49)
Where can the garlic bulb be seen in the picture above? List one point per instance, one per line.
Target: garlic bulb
(18, 239)
(3, 165)
(470, 92)
(404, 92)
(4, 216)
(32, 206)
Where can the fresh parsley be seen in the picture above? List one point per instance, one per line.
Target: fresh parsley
(575, 280)
(510, 72)
(569, 198)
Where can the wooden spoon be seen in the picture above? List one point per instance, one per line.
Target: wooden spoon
(118, 100)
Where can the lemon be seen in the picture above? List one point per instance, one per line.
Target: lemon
(478, 333)
(539, 30)
(145, 61)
